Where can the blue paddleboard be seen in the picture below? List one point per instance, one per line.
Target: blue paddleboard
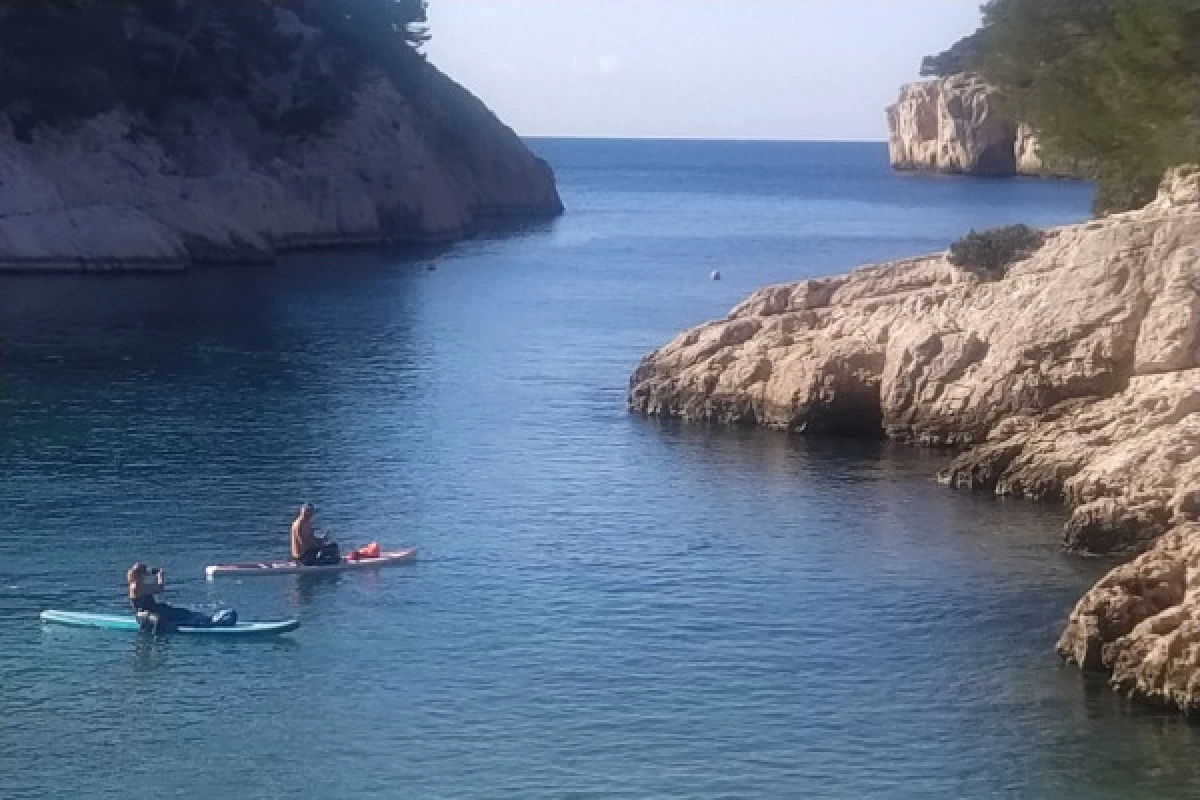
(124, 622)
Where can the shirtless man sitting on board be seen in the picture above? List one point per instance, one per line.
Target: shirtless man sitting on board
(308, 548)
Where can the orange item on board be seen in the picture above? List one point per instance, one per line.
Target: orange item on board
(369, 551)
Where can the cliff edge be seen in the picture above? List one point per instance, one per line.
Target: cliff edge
(1073, 377)
(954, 125)
(418, 159)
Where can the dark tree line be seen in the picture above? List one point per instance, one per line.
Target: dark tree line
(64, 60)
(1112, 84)
(965, 56)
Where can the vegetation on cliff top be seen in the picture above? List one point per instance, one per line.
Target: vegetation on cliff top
(66, 60)
(965, 56)
(1114, 84)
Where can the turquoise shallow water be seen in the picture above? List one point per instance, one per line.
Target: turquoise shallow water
(606, 606)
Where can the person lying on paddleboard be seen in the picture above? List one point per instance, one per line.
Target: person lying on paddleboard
(308, 548)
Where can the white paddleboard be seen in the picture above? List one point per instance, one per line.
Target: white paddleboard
(250, 569)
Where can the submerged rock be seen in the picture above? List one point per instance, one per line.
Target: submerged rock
(1076, 377)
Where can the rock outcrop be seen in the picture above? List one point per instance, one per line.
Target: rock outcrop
(954, 125)
(1141, 624)
(211, 184)
(1075, 377)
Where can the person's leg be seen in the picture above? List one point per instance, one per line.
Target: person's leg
(170, 617)
(156, 617)
(309, 557)
(193, 619)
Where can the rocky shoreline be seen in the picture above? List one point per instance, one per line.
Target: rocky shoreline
(1074, 378)
(211, 185)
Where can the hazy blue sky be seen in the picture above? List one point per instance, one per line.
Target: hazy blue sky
(780, 69)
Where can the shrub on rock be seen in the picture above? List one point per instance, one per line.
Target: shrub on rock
(990, 253)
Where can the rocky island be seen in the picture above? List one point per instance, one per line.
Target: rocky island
(1074, 376)
(262, 127)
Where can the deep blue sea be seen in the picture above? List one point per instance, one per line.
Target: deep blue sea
(605, 606)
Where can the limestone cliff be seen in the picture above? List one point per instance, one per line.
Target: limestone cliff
(1076, 377)
(212, 183)
(954, 125)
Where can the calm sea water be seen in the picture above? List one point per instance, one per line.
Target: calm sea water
(606, 606)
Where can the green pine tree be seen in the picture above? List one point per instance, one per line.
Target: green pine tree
(1113, 85)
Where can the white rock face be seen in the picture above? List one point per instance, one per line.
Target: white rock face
(212, 185)
(1076, 377)
(1027, 151)
(953, 125)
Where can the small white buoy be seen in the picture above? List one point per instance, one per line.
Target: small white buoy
(716, 275)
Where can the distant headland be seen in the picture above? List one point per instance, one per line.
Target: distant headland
(149, 135)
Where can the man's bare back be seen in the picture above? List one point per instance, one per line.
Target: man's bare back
(303, 537)
(307, 547)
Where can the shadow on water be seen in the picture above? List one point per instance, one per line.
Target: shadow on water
(499, 228)
(312, 589)
(315, 590)
(150, 653)
(732, 449)
(425, 256)
(1147, 752)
